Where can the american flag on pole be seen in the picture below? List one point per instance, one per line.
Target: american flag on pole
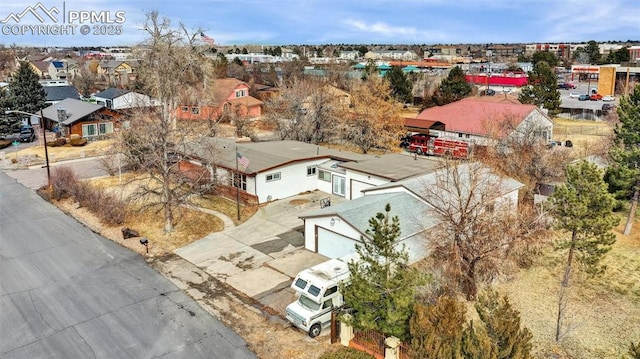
(243, 161)
(207, 39)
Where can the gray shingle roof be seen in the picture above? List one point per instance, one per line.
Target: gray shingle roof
(263, 156)
(481, 174)
(75, 109)
(111, 93)
(412, 213)
(59, 93)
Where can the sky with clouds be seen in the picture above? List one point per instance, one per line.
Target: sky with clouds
(282, 22)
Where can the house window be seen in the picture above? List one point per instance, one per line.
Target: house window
(94, 129)
(324, 176)
(238, 180)
(105, 128)
(339, 185)
(241, 93)
(459, 135)
(185, 109)
(467, 136)
(89, 130)
(311, 171)
(273, 177)
(195, 110)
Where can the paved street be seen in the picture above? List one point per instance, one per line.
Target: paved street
(36, 177)
(66, 292)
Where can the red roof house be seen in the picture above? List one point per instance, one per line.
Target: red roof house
(479, 121)
(229, 96)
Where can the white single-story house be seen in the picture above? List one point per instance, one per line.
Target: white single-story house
(334, 231)
(281, 169)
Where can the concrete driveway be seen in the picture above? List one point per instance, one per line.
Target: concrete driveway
(261, 256)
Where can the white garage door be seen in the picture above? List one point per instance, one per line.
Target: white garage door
(334, 245)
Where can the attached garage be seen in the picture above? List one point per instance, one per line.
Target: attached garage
(333, 245)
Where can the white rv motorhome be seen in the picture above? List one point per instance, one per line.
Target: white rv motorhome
(318, 295)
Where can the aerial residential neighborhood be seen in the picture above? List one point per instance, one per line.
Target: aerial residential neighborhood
(357, 188)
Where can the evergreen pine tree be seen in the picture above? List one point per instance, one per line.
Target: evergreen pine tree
(383, 286)
(542, 88)
(476, 344)
(502, 324)
(401, 86)
(623, 175)
(437, 330)
(453, 88)
(583, 207)
(25, 91)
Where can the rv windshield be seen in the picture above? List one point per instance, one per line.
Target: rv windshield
(308, 303)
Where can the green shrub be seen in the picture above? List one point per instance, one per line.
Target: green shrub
(346, 353)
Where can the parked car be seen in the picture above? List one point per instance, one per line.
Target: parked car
(487, 92)
(608, 98)
(583, 98)
(574, 95)
(595, 97)
(27, 134)
(566, 86)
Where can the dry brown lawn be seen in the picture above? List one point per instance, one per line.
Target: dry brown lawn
(191, 224)
(588, 137)
(37, 156)
(603, 314)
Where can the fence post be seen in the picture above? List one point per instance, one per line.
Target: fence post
(391, 350)
(346, 331)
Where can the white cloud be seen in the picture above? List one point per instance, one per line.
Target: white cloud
(397, 33)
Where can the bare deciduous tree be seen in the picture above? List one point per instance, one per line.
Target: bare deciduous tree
(479, 227)
(373, 119)
(174, 72)
(305, 111)
(525, 154)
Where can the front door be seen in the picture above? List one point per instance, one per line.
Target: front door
(339, 185)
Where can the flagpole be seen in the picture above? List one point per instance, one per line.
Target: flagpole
(237, 186)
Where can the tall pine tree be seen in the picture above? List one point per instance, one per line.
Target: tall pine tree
(383, 287)
(623, 175)
(583, 208)
(25, 91)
